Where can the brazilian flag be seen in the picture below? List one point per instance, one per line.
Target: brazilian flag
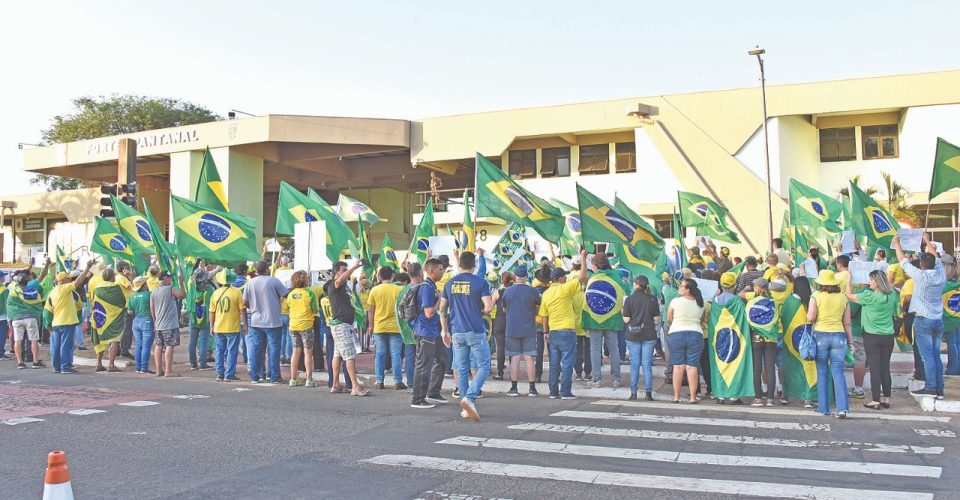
(61, 260)
(213, 235)
(468, 236)
(572, 239)
(499, 196)
(388, 258)
(421, 237)
(811, 208)
(210, 191)
(508, 245)
(603, 308)
(601, 222)
(352, 210)
(731, 351)
(951, 306)
(763, 314)
(706, 215)
(133, 226)
(946, 168)
(870, 219)
(107, 315)
(786, 231)
(339, 236)
(406, 330)
(108, 241)
(799, 375)
(294, 207)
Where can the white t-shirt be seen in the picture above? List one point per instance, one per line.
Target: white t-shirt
(686, 315)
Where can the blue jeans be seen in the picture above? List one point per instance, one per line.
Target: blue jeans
(3, 336)
(142, 342)
(197, 347)
(409, 362)
(286, 343)
(831, 350)
(256, 343)
(952, 339)
(386, 343)
(641, 353)
(61, 347)
(467, 348)
(563, 352)
(597, 340)
(228, 346)
(273, 352)
(928, 334)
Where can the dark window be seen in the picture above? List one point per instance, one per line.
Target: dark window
(594, 159)
(626, 157)
(555, 162)
(523, 164)
(664, 228)
(838, 144)
(880, 141)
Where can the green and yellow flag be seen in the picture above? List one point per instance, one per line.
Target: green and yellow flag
(572, 239)
(811, 208)
(707, 216)
(799, 375)
(468, 236)
(216, 236)
(421, 237)
(294, 207)
(946, 168)
(600, 222)
(388, 258)
(339, 235)
(786, 231)
(210, 190)
(603, 307)
(61, 260)
(106, 315)
(951, 306)
(731, 351)
(364, 250)
(352, 210)
(108, 241)
(870, 219)
(133, 226)
(166, 251)
(499, 196)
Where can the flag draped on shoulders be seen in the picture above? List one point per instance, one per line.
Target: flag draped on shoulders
(421, 237)
(870, 219)
(811, 208)
(951, 306)
(107, 315)
(604, 294)
(731, 351)
(799, 375)
(946, 168)
(216, 236)
(210, 191)
(499, 196)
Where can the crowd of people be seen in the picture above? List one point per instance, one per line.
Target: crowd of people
(448, 316)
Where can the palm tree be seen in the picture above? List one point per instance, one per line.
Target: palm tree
(896, 201)
(855, 180)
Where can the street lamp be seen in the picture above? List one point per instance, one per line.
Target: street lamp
(757, 51)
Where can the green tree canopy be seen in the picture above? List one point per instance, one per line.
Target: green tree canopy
(102, 116)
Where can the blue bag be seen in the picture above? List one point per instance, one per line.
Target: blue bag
(808, 344)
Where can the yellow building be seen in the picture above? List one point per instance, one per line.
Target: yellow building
(642, 149)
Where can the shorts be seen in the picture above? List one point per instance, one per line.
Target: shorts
(167, 338)
(520, 346)
(685, 348)
(302, 339)
(859, 354)
(25, 327)
(343, 343)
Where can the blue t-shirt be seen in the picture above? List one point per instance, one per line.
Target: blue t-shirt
(521, 301)
(427, 296)
(464, 292)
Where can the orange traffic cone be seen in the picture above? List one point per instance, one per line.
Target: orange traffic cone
(56, 483)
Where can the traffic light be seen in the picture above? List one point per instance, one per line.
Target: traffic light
(129, 194)
(106, 207)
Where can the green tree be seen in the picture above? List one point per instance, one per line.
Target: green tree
(897, 202)
(102, 116)
(855, 180)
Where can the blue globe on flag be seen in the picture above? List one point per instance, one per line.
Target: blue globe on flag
(727, 345)
(213, 228)
(118, 244)
(143, 230)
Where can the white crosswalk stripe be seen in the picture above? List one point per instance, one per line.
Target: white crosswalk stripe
(671, 419)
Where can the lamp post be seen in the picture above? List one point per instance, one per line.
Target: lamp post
(758, 52)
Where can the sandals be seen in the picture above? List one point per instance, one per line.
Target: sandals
(336, 389)
(872, 405)
(360, 393)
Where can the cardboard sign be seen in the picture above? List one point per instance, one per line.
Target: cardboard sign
(708, 288)
(910, 239)
(310, 246)
(848, 242)
(860, 272)
(443, 245)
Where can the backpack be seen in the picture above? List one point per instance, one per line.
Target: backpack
(409, 305)
(808, 344)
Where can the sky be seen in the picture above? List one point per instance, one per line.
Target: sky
(431, 58)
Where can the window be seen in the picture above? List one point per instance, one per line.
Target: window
(626, 157)
(555, 162)
(523, 164)
(880, 141)
(838, 144)
(594, 159)
(664, 227)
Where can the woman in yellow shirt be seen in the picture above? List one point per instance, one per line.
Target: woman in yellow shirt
(302, 304)
(829, 312)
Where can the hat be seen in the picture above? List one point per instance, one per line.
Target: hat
(164, 275)
(728, 280)
(138, 282)
(827, 278)
(778, 285)
(557, 274)
(520, 272)
(62, 275)
(724, 251)
(712, 266)
(761, 283)
(226, 276)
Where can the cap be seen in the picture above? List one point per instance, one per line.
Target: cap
(728, 280)
(725, 251)
(557, 274)
(164, 275)
(138, 282)
(761, 283)
(778, 285)
(63, 275)
(712, 266)
(520, 272)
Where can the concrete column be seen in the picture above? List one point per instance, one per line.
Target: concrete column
(242, 177)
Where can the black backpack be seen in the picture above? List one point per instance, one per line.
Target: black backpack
(409, 305)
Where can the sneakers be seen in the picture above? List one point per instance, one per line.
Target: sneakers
(568, 397)
(309, 383)
(854, 393)
(596, 383)
(648, 396)
(21, 366)
(219, 378)
(399, 386)
(37, 364)
(513, 392)
(807, 403)
(633, 397)
(204, 368)
(615, 384)
(757, 403)
(841, 415)
(554, 396)
(438, 399)
(379, 385)
(533, 392)
(924, 392)
(456, 393)
(422, 405)
(294, 382)
(940, 395)
(469, 409)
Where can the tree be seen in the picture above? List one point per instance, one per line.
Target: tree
(855, 180)
(102, 116)
(896, 201)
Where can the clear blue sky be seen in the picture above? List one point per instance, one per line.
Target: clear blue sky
(428, 58)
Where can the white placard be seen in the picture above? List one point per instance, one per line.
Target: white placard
(708, 288)
(938, 246)
(690, 240)
(848, 242)
(443, 245)
(310, 246)
(273, 245)
(284, 276)
(860, 272)
(810, 268)
(703, 242)
(910, 239)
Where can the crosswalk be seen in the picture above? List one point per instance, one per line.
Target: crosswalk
(775, 453)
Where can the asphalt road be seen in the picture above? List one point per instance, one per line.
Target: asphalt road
(196, 438)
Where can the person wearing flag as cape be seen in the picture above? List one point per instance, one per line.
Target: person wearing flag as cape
(24, 310)
(763, 314)
(108, 317)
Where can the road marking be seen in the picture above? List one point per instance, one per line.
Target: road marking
(22, 420)
(726, 439)
(768, 411)
(672, 419)
(191, 396)
(137, 433)
(139, 403)
(642, 481)
(14, 382)
(241, 389)
(936, 432)
(697, 458)
(85, 411)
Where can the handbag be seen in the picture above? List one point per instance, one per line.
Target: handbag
(808, 344)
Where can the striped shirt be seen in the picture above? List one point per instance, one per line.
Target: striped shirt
(927, 298)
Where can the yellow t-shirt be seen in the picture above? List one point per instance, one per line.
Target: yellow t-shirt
(92, 283)
(284, 306)
(125, 285)
(843, 277)
(830, 308)
(579, 300)
(383, 298)
(318, 295)
(557, 305)
(227, 305)
(64, 305)
(442, 284)
(896, 274)
(152, 282)
(905, 291)
(303, 306)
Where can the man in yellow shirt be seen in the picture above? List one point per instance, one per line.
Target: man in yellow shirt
(560, 322)
(62, 304)
(228, 321)
(384, 327)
